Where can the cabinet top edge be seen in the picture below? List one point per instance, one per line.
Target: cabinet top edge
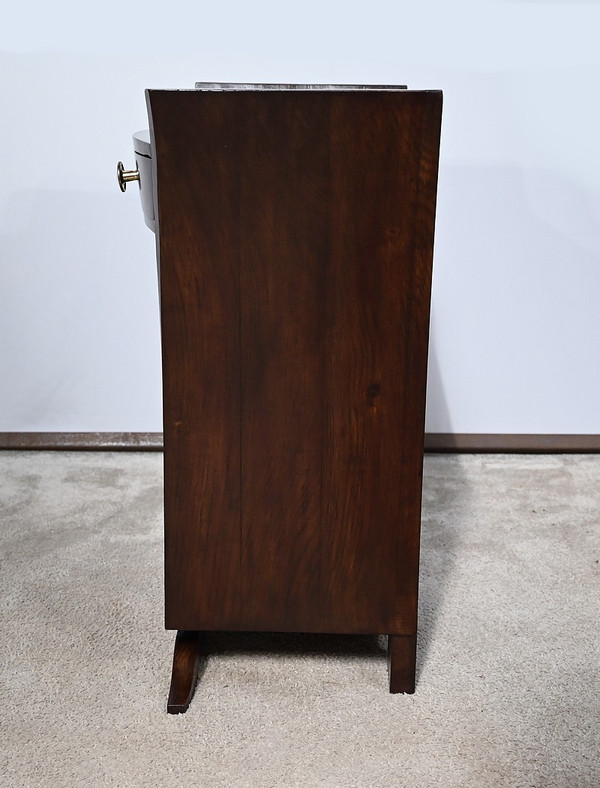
(262, 86)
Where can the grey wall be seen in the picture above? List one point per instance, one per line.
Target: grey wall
(515, 320)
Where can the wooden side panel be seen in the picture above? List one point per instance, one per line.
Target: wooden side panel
(384, 153)
(296, 234)
(196, 171)
(284, 225)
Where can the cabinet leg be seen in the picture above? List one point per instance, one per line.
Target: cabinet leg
(186, 658)
(402, 659)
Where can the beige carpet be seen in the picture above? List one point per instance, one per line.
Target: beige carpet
(509, 660)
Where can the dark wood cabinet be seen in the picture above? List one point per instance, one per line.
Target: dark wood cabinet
(295, 239)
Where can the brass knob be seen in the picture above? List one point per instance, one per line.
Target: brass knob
(125, 176)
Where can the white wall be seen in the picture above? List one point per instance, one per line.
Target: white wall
(516, 318)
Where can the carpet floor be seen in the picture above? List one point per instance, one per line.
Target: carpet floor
(508, 689)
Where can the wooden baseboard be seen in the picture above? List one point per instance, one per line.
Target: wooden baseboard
(82, 441)
(477, 443)
(435, 442)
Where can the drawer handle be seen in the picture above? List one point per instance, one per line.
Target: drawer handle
(126, 176)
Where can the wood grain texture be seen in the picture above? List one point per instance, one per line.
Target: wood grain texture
(295, 261)
(186, 659)
(198, 248)
(384, 169)
(402, 660)
(284, 228)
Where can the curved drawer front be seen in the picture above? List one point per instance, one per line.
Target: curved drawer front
(143, 160)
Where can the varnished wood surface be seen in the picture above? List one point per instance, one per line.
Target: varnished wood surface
(284, 225)
(187, 652)
(402, 658)
(200, 314)
(295, 263)
(383, 173)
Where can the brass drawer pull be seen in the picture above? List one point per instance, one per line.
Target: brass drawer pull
(125, 176)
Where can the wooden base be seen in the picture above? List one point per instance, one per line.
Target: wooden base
(402, 659)
(186, 659)
(190, 646)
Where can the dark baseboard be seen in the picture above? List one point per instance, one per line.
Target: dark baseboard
(477, 443)
(435, 442)
(82, 441)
